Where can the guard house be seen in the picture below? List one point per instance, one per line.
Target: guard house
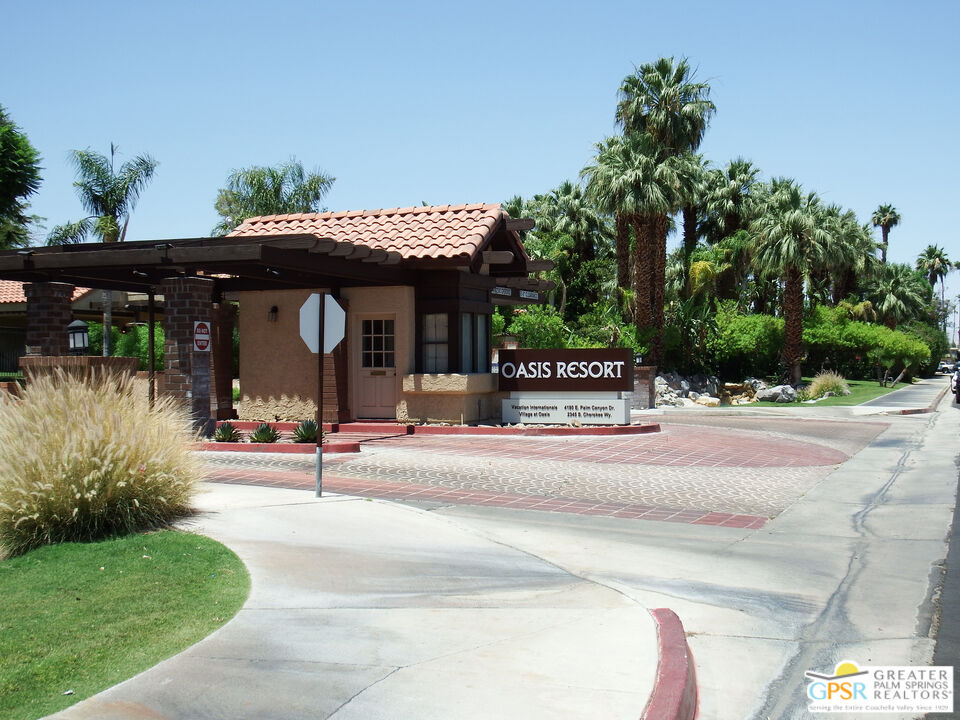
(417, 344)
(418, 285)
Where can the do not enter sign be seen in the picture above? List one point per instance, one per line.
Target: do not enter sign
(201, 336)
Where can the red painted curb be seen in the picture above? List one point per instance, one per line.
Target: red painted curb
(299, 448)
(493, 430)
(674, 694)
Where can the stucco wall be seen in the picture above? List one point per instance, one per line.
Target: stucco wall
(278, 374)
(450, 397)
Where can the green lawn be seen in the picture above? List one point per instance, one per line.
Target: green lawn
(85, 616)
(860, 392)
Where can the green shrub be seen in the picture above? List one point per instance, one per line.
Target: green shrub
(305, 432)
(265, 433)
(745, 345)
(934, 338)
(226, 432)
(822, 384)
(538, 326)
(133, 343)
(81, 461)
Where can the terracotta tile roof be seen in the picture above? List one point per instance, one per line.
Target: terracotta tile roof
(12, 292)
(436, 231)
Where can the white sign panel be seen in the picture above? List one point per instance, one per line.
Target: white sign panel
(201, 336)
(334, 323)
(565, 411)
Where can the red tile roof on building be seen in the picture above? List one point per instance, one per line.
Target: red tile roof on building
(436, 231)
(12, 292)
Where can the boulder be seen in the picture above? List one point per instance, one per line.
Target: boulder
(755, 385)
(708, 401)
(778, 393)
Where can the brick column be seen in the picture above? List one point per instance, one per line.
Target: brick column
(186, 373)
(221, 358)
(48, 314)
(644, 387)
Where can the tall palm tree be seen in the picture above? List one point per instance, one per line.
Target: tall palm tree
(662, 103)
(934, 264)
(608, 183)
(885, 217)
(663, 100)
(898, 293)
(109, 195)
(792, 242)
(254, 191)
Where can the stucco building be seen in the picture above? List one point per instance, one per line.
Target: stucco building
(417, 345)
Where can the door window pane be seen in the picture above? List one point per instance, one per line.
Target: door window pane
(376, 341)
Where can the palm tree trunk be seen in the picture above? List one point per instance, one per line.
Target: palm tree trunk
(641, 274)
(623, 251)
(658, 284)
(884, 231)
(793, 321)
(107, 321)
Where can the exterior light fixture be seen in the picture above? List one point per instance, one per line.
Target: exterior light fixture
(78, 337)
(272, 314)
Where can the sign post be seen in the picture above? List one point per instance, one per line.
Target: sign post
(326, 320)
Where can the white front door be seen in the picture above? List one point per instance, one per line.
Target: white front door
(377, 373)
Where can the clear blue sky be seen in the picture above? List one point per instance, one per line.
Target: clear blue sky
(446, 102)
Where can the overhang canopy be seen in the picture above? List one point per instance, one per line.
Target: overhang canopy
(294, 251)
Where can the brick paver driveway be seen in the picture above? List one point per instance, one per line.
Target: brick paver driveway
(723, 470)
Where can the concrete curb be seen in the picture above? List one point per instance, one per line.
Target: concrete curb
(404, 429)
(674, 694)
(294, 448)
(930, 408)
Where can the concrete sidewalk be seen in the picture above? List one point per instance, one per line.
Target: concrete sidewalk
(364, 609)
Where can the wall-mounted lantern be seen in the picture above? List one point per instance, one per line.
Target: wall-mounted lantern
(272, 314)
(78, 337)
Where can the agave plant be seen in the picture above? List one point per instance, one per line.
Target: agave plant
(226, 432)
(265, 433)
(306, 432)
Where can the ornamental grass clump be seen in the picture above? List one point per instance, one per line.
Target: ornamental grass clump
(823, 383)
(84, 460)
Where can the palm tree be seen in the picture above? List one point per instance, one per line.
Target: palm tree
(608, 183)
(898, 293)
(255, 191)
(661, 99)
(885, 217)
(730, 197)
(851, 255)
(662, 107)
(568, 210)
(792, 242)
(934, 264)
(109, 195)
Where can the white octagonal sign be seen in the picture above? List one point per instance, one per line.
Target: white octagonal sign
(334, 323)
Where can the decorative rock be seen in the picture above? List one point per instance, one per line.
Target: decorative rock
(778, 393)
(693, 395)
(708, 401)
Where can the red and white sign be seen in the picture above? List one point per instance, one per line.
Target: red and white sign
(201, 336)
